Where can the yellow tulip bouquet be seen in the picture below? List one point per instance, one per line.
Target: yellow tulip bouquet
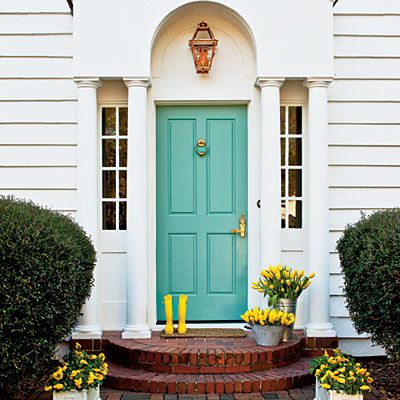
(341, 373)
(279, 282)
(80, 370)
(268, 317)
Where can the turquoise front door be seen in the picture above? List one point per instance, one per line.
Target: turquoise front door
(200, 199)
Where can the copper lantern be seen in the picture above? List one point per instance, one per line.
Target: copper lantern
(203, 45)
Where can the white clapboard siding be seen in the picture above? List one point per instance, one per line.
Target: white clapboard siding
(63, 200)
(367, 7)
(373, 90)
(372, 46)
(39, 134)
(40, 67)
(339, 219)
(364, 176)
(364, 112)
(338, 306)
(34, 178)
(38, 89)
(364, 134)
(361, 198)
(365, 155)
(364, 68)
(334, 263)
(37, 156)
(36, 45)
(367, 25)
(34, 23)
(29, 6)
(47, 111)
(336, 283)
(344, 328)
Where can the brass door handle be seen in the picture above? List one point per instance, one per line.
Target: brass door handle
(242, 227)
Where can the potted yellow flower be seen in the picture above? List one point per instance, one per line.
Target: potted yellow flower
(339, 377)
(79, 377)
(268, 325)
(283, 285)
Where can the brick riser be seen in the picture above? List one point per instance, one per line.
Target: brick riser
(203, 361)
(295, 375)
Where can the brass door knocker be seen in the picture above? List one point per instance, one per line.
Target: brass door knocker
(201, 147)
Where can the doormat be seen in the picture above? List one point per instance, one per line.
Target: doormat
(207, 333)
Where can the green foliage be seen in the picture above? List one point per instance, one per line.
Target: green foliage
(369, 254)
(46, 269)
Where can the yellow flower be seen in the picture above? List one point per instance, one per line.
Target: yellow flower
(365, 387)
(78, 346)
(91, 378)
(301, 273)
(282, 290)
(282, 281)
(78, 382)
(102, 356)
(278, 275)
(287, 282)
(287, 274)
(370, 380)
(271, 286)
(326, 385)
(99, 377)
(47, 388)
(312, 275)
(74, 373)
(58, 386)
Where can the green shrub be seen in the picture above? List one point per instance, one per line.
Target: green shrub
(369, 253)
(46, 270)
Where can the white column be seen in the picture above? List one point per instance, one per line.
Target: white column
(318, 227)
(270, 186)
(87, 192)
(137, 291)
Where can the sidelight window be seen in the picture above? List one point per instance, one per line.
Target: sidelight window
(114, 162)
(291, 133)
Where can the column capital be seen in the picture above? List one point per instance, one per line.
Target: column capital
(141, 81)
(317, 82)
(262, 81)
(88, 82)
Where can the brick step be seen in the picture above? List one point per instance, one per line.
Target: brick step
(203, 356)
(137, 380)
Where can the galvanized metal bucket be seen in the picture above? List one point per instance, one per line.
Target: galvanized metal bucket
(268, 335)
(289, 306)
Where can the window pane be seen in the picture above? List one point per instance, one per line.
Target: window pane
(122, 215)
(294, 151)
(108, 121)
(122, 184)
(109, 184)
(109, 155)
(295, 120)
(123, 148)
(283, 151)
(295, 176)
(283, 182)
(294, 214)
(109, 215)
(123, 121)
(283, 121)
(283, 214)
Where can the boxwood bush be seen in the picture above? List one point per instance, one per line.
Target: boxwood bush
(369, 253)
(46, 270)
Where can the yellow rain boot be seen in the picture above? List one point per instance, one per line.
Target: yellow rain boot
(169, 327)
(183, 299)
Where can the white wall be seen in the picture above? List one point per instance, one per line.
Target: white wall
(293, 38)
(37, 103)
(364, 128)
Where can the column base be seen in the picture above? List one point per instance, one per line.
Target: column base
(320, 330)
(87, 332)
(142, 331)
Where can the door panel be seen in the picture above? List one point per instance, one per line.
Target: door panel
(199, 201)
